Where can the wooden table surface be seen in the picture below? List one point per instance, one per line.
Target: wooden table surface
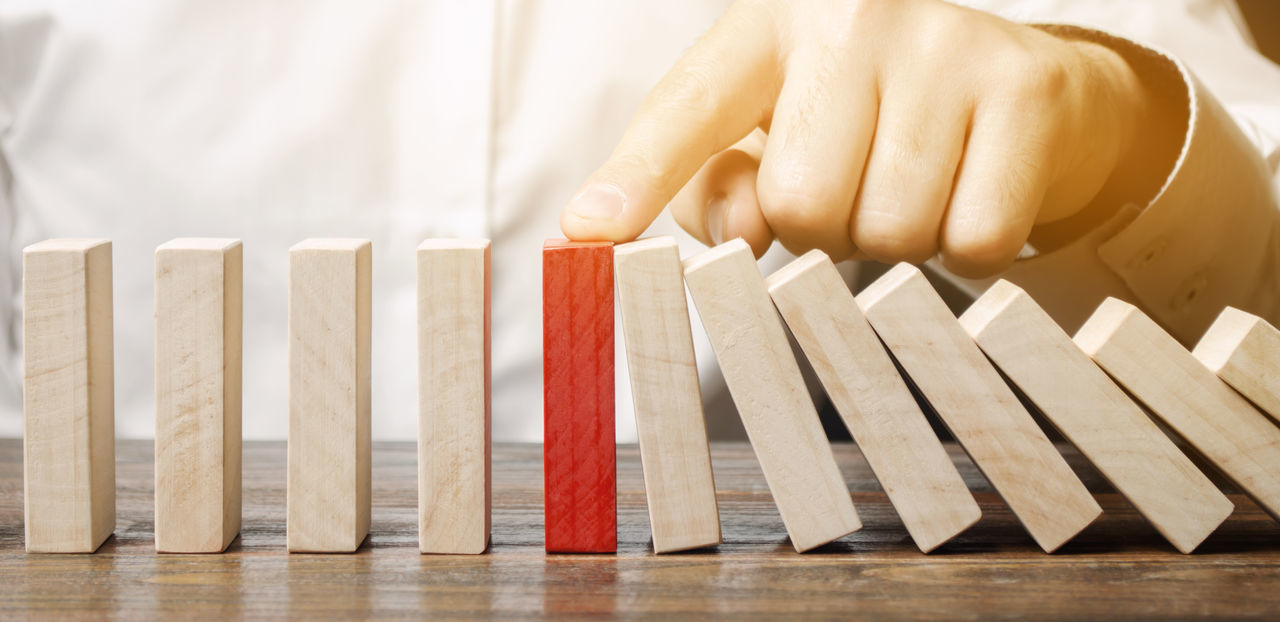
(1118, 568)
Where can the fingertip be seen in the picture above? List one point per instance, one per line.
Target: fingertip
(597, 213)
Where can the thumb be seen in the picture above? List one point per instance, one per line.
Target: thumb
(717, 93)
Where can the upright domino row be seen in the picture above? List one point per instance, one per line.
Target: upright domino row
(68, 399)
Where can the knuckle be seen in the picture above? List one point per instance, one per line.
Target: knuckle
(889, 237)
(1031, 74)
(978, 252)
(796, 205)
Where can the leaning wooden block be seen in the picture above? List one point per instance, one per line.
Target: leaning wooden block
(329, 446)
(1242, 442)
(68, 396)
(1244, 350)
(664, 386)
(453, 396)
(579, 459)
(874, 402)
(978, 407)
(767, 388)
(198, 339)
(1096, 416)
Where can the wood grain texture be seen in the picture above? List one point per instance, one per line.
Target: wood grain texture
(770, 395)
(330, 284)
(578, 413)
(873, 401)
(454, 419)
(1118, 569)
(1244, 350)
(1096, 416)
(672, 430)
(977, 406)
(1219, 423)
(68, 395)
(198, 350)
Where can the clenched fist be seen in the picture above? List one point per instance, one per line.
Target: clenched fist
(889, 129)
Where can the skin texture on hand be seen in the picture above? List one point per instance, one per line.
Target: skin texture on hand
(890, 129)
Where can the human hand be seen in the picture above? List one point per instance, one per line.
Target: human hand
(889, 129)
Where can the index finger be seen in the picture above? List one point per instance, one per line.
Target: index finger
(718, 92)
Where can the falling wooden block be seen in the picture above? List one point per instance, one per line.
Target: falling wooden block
(1225, 428)
(68, 396)
(1096, 416)
(668, 402)
(978, 407)
(198, 339)
(874, 402)
(579, 458)
(329, 445)
(453, 396)
(1244, 350)
(770, 395)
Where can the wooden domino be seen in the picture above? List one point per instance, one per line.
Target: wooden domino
(453, 396)
(978, 408)
(329, 471)
(579, 459)
(1244, 350)
(67, 399)
(764, 380)
(1225, 428)
(197, 358)
(1096, 416)
(674, 453)
(874, 402)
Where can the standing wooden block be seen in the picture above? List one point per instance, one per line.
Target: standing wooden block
(1242, 442)
(329, 445)
(874, 402)
(579, 458)
(978, 407)
(68, 396)
(453, 396)
(767, 388)
(664, 385)
(198, 339)
(1244, 350)
(1096, 416)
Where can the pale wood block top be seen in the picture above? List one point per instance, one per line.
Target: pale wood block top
(873, 400)
(1095, 415)
(331, 244)
(199, 244)
(60, 245)
(1244, 350)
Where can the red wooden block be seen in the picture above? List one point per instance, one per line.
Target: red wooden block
(577, 375)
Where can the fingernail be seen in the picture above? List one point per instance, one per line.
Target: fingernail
(597, 202)
(716, 209)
